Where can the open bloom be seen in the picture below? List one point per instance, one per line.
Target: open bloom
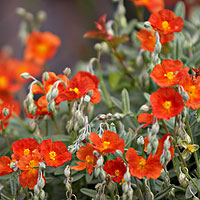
(166, 22)
(140, 167)
(115, 168)
(29, 165)
(151, 5)
(24, 147)
(80, 85)
(41, 46)
(5, 165)
(169, 73)
(102, 34)
(146, 118)
(166, 103)
(109, 142)
(191, 85)
(55, 153)
(85, 153)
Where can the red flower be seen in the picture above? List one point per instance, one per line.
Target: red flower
(115, 168)
(146, 118)
(109, 143)
(151, 5)
(24, 147)
(102, 33)
(169, 73)
(192, 87)
(80, 85)
(5, 166)
(140, 167)
(55, 153)
(85, 153)
(166, 103)
(29, 163)
(160, 145)
(41, 46)
(166, 22)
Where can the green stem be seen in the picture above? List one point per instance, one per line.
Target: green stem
(5, 136)
(164, 126)
(139, 189)
(195, 153)
(175, 167)
(46, 127)
(105, 92)
(56, 125)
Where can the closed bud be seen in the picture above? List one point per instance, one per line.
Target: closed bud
(29, 16)
(111, 186)
(21, 12)
(147, 24)
(96, 171)
(149, 148)
(100, 161)
(42, 194)
(36, 197)
(140, 140)
(145, 108)
(67, 71)
(68, 186)
(130, 193)
(104, 47)
(54, 93)
(103, 174)
(41, 15)
(97, 46)
(69, 125)
(48, 96)
(32, 125)
(125, 187)
(45, 76)
(162, 159)
(167, 144)
(127, 175)
(155, 146)
(124, 196)
(42, 165)
(52, 106)
(36, 190)
(183, 179)
(6, 112)
(95, 153)
(13, 165)
(41, 182)
(67, 171)
(25, 75)
(76, 126)
(155, 128)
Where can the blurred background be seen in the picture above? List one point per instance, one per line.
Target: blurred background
(69, 19)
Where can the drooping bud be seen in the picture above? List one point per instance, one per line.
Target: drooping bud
(42, 194)
(25, 75)
(140, 140)
(45, 76)
(6, 112)
(100, 161)
(67, 71)
(67, 171)
(145, 108)
(41, 15)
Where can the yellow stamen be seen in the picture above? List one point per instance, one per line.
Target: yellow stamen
(41, 48)
(52, 155)
(191, 148)
(165, 25)
(76, 90)
(3, 81)
(117, 173)
(26, 151)
(169, 75)
(106, 144)
(32, 164)
(167, 105)
(142, 162)
(192, 90)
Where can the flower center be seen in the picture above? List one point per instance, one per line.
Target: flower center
(192, 90)
(191, 148)
(26, 151)
(76, 90)
(165, 25)
(169, 75)
(32, 164)
(106, 144)
(3, 82)
(117, 172)
(145, 1)
(89, 159)
(41, 48)
(142, 162)
(52, 155)
(167, 105)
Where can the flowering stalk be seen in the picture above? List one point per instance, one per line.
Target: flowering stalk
(5, 136)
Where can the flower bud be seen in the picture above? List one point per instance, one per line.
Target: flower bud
(45, 76)
(76, 126)
(69, 125)
(41, 15)
(100, 161)
(42, 165)
(125, 187)
(162, 159)
(36, 197)
(130, 193)
(103, 174)
(167, 156)
(29, 16)
(42, 194)
(67, 171)
(127, 175)
(147, 24)
(183, 179)
(140, 140)
(25, 75)
(97, 46)
(54, 93)
(155, 128)
(41, 182)
(149, 148)
(6, 112)
(167, 144)
(67, 71)
(68, 186)
(145, 108)
(155, 146)
(21, 11)
(96, 171)
(36, 190)
(87, 98)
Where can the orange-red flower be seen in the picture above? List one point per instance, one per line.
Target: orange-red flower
(116, 168)
(55, 153)
(29, 163)
(80, 85)
(102, 33)
(169, 73)
(146, 118)
(166, 22)
(85, 153)
(140, 167)
(5, 166)
(24, 147)
(166, 103)
(151, 5)
(41, 46)
(109, 143)
(192, 86)
(160, 145)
